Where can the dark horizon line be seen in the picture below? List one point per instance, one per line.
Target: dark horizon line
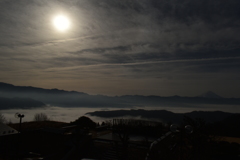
(73, 91)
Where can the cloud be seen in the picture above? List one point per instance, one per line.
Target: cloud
(119, 39)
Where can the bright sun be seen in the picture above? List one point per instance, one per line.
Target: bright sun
(61, 23)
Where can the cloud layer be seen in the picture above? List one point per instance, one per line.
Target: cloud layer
(117, 47)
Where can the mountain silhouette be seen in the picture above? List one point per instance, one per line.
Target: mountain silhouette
(4, 87)
(210, 94)
(64, 98)
(24, 103)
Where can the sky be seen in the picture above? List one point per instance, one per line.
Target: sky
(119, 47)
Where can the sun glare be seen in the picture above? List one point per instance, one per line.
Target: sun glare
(61, 23)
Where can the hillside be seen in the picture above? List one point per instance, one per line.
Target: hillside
(24, 103)
(162, 115)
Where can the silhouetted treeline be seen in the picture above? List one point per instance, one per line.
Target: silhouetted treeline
(227, 127)
(84, 122)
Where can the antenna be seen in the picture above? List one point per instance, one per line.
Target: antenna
(20, 116)
(16, 115)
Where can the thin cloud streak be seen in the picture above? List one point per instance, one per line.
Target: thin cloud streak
(130, 40)
(142, 63)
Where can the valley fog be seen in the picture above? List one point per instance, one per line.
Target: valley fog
(70, 114)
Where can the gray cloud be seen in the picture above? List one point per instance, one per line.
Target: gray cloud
(125, 40)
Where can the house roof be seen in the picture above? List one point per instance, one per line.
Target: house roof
(6, 130)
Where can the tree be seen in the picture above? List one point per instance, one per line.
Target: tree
(40, 117)
(84, 122)
(2, 118)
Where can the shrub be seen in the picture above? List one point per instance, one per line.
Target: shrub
(40, 117)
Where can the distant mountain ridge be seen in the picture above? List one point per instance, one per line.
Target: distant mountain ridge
(210, 94)
(64, 98)
(11, 88)
(23, 103)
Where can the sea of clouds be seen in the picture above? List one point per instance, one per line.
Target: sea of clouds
(70, 114)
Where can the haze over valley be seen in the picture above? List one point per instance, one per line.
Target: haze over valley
(175, 55)
(66, 106)
(77, 76)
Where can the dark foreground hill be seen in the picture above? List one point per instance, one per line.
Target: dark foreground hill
(163, 115)
(216, 123)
